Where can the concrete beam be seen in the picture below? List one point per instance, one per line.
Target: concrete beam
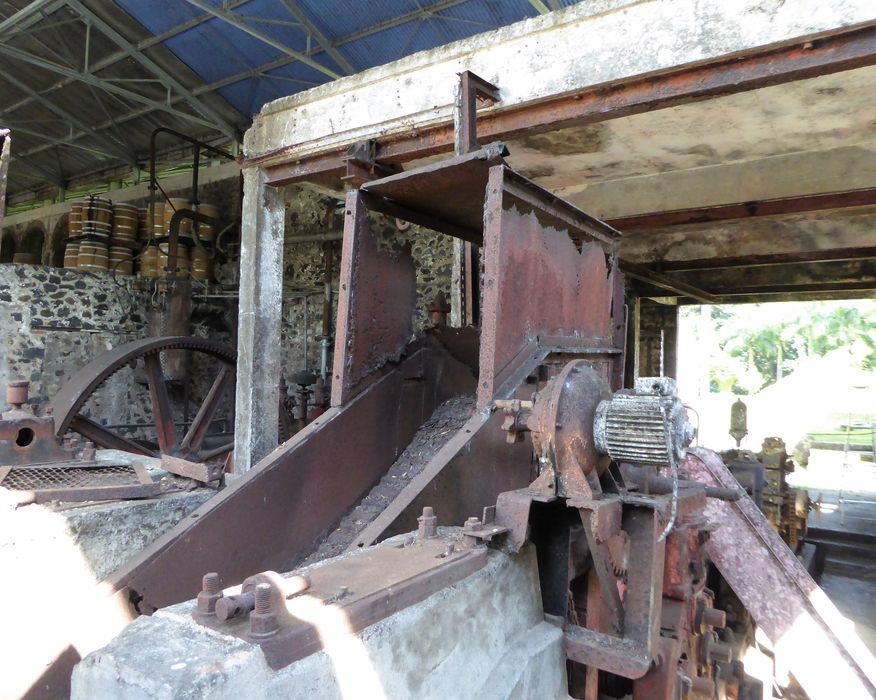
(258, 337)
(407, 104)
(743, 210)
(757, 238)
(815, 172)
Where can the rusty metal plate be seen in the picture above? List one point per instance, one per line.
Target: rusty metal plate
(446, 196)
(375, 307)
(521, 302)
(366, 588)
(297, 493)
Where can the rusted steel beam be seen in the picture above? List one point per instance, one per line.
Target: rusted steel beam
(808, 632)
(809, 288)
(645, 274)
(743, 210)
(805, 57)
(771, 259)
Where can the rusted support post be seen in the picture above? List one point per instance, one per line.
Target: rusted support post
(806, 629)
(5, 154)
(258, 336)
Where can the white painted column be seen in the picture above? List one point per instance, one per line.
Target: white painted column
(258, 335)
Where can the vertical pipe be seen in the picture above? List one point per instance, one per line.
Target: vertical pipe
(328, 260)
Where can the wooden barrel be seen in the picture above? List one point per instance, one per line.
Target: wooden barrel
(157, 226)
(182, 261)
(121, 261)
(97, 217)
(149, 261)
(200, 264)
(172, 205)
(93, 256)
(143, 223)
(126, 223)
(74, 222)
(25, 259)
(71, 255)
(207, 232)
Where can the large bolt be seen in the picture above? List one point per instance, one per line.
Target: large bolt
(720, 652)
(715, 618)
(16, 392)
(234, 606)
(702, 688)
(209, 595)
(471, 524)
(263, 620)
(469, 527)
(428, 523)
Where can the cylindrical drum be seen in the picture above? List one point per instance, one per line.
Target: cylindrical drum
(170, 208)
(200, 264)
(182, 261)
(126, 223)
(71, 255)
(158, 224)
(143, 223)
(93, 256)
(207, 232)
(74, 222)
(97, 217)
(149, 261)
(121, 261)
(25, 259)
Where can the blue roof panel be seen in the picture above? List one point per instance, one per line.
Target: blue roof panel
(251, 72)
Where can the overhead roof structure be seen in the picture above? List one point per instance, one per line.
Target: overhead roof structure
(85, 82)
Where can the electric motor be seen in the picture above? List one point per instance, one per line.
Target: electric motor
(646, 426)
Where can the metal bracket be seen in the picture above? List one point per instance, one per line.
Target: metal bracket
(471, 87)
(362, 166)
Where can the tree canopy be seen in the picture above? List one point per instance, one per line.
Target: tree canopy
(759, 344)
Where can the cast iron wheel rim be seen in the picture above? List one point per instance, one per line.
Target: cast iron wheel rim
(68, 402)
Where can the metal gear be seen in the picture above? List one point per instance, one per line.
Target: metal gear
(69, 401)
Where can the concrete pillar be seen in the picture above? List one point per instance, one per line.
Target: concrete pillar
(657, 339)
(258, 326)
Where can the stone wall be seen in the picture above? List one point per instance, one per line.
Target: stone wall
(310, 213)
(53, 321)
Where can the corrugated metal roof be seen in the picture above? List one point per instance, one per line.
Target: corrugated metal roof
(215, 72)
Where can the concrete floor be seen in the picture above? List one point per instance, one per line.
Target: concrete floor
(849, 576)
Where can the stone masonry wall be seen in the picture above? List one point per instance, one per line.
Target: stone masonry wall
(53, 321)
(310, 213)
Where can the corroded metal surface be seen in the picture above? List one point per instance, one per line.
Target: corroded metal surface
(807, 630)
(365, 589)
(73, 396)
(844, 49)
(295, 494)
(521, 302)
(375, 307)
(562, 429)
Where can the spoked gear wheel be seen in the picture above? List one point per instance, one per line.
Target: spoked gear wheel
(69, 402)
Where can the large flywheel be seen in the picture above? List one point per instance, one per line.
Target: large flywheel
(178, 419)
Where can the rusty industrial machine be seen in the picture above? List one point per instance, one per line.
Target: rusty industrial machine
(555, 454)
(764, 477)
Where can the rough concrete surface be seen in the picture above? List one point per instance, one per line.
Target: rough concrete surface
(531, 60)
(484, 637)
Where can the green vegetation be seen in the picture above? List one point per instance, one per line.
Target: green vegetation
(759, 344)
